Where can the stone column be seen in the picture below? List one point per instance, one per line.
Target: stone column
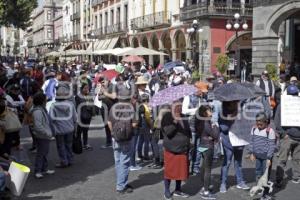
(242, 7)
(264, 51)
(151, 62)
(174, 54)
(161, 49)
(189, 53)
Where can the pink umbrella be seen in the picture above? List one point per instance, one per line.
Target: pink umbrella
(109, 74)
(133, 59)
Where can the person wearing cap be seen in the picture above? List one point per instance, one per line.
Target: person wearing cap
(63, 118)
(290, 139)
(189, 107)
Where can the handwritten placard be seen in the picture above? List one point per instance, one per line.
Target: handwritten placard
(290, 110)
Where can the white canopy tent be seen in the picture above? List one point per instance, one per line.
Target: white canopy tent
(140, 51)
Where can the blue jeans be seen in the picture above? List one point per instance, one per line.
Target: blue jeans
(2, 181)
(196, 155)
(143, 142)
(155, 148)
(133, 148)
(41, 162)
(122, 152)
(64, 148)
(237, 153)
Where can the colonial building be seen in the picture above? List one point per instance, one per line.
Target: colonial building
(43, 26)
(212, 17)
(156, 25)
(276, 33)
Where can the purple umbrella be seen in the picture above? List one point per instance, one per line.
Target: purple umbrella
(171, 94)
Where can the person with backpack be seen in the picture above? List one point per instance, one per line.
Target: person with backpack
(121, 122)
(262, 148)
(64, 120)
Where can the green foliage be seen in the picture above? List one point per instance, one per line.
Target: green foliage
(222, 63)
(272, 70)
(16, 12)
(196, 75)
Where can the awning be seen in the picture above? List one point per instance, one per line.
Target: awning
(113, 43)
(105, 44)
(141, 51)
(100, 44)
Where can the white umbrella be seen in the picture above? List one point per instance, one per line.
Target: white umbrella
(141, 51)
(53, 53)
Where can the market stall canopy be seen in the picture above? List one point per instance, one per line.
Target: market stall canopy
(141, 51)
(54, 53)
(115, 51)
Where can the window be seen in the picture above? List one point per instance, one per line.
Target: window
(126, 16)
(118, 15)
(96, 22)
(49, 33)
(49, 15)
(67, 10)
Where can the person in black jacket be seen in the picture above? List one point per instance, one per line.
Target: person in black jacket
(290, 141)
(85, 109)
(208, 134)
(176, 144)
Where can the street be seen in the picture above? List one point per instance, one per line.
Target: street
(92, 177)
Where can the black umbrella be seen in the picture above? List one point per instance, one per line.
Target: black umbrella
(237, 92)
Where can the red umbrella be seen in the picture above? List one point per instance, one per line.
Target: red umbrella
(133, 59)
(109, 74)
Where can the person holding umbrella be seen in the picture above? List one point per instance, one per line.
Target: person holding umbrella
(177, 134)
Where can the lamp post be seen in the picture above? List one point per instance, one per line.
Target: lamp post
(92, 37)
(236, 24)
(193, 31)
(65, 43)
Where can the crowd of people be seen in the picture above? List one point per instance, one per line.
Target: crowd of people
(58, 102)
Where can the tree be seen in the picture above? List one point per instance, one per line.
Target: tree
(222, 63)
(16, 12)
(272, 70)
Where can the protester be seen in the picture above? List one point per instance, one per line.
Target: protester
(290, 141)
(121, 123)
(229, 113)
(176, 144)
(262, 148)
(208, 134)
(85, 111)
(43, 132)
(64, 121)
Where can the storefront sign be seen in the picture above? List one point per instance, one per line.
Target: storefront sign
(290, 109)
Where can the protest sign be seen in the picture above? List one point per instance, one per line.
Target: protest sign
(290, 110)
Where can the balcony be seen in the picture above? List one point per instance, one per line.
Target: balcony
(76, 37)
(159, 19)
(217, 10)
(75, 16)
(268, 2)
(97, 2)
(99, 32)
(116, 28)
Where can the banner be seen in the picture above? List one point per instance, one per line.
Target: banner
(290, 109)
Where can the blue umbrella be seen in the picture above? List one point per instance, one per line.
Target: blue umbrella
(171, 65)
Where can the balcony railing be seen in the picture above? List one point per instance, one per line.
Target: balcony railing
(76, 37)
(268, 2)
(159, 19)
(97, 2)
(75, 16)
(116, 28)
(98, 32)
(218, 10)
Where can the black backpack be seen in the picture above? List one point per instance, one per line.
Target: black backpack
(122, 128)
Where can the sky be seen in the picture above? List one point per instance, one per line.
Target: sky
(40, 2)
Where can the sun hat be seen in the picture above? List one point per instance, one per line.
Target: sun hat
(141, 80)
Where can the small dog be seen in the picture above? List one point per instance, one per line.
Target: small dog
(261, 184)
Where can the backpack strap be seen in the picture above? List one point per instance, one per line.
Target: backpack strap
(268, 131)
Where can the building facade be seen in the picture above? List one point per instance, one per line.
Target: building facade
(43, 26)
(276, 33)
(212, 16)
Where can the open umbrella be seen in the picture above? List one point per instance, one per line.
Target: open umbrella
(171, 94)
(133, 59)
(109, 74)
(237, 92)
(171, 65)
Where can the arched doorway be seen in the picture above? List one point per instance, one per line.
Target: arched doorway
(155, 46)
(167, 46)
(180, 45)
(240, 47)
(134, 42)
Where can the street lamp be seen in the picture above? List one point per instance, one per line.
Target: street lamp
(236, 25)
(92, 37)
(65, 50)
(193, 31)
